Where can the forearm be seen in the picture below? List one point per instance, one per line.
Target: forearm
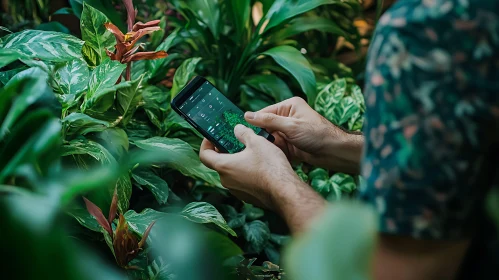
(297, 203)
(341, 151)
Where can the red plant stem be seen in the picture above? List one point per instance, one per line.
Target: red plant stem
(128, 76)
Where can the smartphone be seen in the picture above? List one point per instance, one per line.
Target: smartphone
(202, 105)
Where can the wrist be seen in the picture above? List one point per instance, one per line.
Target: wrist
(341, 151)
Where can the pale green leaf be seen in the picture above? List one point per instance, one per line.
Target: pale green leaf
(179, 155)
(45, 45)
(94, 33)
(72, 78)
(203, 213)
(124, 191)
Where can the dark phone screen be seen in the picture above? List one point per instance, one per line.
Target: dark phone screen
(214, 113)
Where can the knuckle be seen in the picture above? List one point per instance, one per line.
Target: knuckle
(268, 117)
(297, 100)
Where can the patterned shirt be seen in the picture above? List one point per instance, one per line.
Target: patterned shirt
(432, 119)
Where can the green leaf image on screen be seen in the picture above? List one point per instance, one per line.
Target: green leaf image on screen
(232, 119)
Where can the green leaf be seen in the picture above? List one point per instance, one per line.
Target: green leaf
(208, 12)
(319, 181)
(8, 56)
(252, 212)
(124, 190)
(156, 106)
(239, 12)
(298, 66)
(90, 55)
(280, 240)
(345, 110)
(53, 26)
(338, 246)
(159, 67)
(91, 148)
(34, 86)
(94, 33)
(105, 7)
(346, 183)
(45, 45)
(85, 219)
(5, 76)
(157, 186)
(306, 23)
(271, 85)
(129, 98)
(283, 10)
(203, 213)
(102, 82)
(81, 124)
(178, 155)
(115, 140)
(184, 74)
(72, 78)
(333, 103)
(138, 222)
(257, 233)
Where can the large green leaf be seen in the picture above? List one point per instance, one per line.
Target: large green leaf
(124, 191)
(34, 85)
(156, 106)
(303, 24)
(298, 66)
(338, 246)
(102, 82)
(157, 68)
(203, 213)
(157, 186)
(271, 85)
(129, 98)
(8, 56)
(283, 10)
(105, 7)
(72, 78)
(5, 76)
(257, 233)
(138, 222)
(179, 155)
(239, 12)
(184, 74)
(208, 12)
(94, 33)
(81, 124)
(91, 148)
(45, 45)
(340, 103)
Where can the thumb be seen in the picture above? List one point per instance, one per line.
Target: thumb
(269, 121)
(244, 134)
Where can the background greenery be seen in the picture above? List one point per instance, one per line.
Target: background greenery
(71, 126)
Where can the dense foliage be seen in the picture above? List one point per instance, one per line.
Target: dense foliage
(90, 117)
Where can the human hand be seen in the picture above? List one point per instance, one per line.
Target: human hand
(305, 135)
(257, 174)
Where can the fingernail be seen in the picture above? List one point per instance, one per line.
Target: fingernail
(238, 127)
(249, 115)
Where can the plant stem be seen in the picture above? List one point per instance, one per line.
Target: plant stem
(128, 76)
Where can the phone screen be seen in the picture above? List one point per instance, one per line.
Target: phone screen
(214, 113)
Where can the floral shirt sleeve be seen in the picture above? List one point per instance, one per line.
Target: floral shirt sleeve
(432, 97)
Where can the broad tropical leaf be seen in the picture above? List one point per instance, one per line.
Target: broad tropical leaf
(303, 24)
(8, 56)
(203, 213)
(239, 12)
(138, 222)
(158, 187)
(184, 74)
(81, 124)
(271, 85)
(298, 66)
(208, 12)
(91, 148)
(72, 78)
(283, 10)
(94, 33)
(129, 98)
(178, 155)
(45, 45)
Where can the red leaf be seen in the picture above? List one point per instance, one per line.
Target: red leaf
(145, 56)
(120, 37)
(141, 33)
(140, 25)
(95, 211)
(114, 207)
(130, 19)
(146, 234)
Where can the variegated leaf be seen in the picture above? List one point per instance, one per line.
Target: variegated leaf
(72, 78)
(94, 33)
(203, 212)
(45, 45)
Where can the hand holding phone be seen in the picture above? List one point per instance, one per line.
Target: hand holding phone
(213, 115)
